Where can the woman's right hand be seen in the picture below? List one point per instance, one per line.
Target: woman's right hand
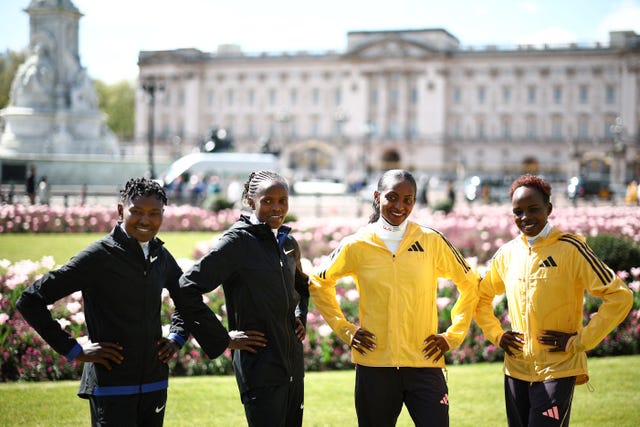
(246, 340)
(511, 340)
(363, 341)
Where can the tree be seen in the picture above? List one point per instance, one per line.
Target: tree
(9, 62)
(117, 101)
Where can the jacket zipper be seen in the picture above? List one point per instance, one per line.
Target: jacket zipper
(286, 295)
(526, 317)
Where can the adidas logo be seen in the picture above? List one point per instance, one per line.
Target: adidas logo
(549, 262)
(551, 413)
(416, 247)
(445, 400)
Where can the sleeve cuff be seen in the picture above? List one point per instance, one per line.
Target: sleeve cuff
(75, 351)
(177, 338)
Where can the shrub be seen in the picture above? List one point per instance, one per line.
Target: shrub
(444, 205)
(478, 232)
(217, 203)
(621, 254)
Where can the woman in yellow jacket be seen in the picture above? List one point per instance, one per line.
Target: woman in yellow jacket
(544, 273)
(395, 264)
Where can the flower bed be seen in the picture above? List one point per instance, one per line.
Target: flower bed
(478, 232)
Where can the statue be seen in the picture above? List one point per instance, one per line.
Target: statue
(34, 83)
(83, 93)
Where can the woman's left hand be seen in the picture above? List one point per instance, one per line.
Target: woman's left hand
(301, 332)
(556, 339)
(435, 345)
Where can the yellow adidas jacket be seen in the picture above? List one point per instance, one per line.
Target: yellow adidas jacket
(397, 293)
(544, 285)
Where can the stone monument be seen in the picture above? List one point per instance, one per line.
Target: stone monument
(53, 106)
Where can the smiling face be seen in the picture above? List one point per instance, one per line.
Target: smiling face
(142, 217)
(530, 210)
(271, 203)
(397, 201)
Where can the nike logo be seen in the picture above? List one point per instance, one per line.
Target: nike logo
(159, 408)
(153, 258)
(289, 251)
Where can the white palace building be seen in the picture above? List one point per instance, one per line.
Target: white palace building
(415, 99)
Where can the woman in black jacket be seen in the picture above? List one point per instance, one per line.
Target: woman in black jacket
(266, 293)
(121, 277)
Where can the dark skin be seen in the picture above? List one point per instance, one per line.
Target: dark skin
(142, 219)
(396, 203)
(270, 204)
(106, 353)
(252, 340)
(531, 210)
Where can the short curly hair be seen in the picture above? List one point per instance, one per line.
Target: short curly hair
(136, 188)
(532, 181)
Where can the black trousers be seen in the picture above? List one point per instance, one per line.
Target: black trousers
(380, 393)
(275, 406)
(538, 404)
(134, 410)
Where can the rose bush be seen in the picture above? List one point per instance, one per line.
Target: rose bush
(478, 233)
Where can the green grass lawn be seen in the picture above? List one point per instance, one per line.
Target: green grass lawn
(475, 394)
(33, 246)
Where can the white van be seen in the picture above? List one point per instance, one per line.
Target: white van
(222, 165)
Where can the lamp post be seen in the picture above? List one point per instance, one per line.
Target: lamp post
(340, 117)
(151, 87)
(283, 117)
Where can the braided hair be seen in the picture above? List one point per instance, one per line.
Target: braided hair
(256, 179)
(136, 188)
(387, 179)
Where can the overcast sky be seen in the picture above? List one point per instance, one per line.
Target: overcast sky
(113, 32)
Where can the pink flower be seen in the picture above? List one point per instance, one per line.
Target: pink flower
(3, 318)
(78, 318)
(64, 323)
(623, 274)
(443, 302)
(74, 307)
(324, 330)
(352, 295)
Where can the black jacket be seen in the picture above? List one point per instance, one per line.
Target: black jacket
(264, 288)
(121, 292)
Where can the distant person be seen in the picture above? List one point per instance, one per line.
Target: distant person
(31, 185)
(544, 273)
(12, 194)
(631, 195)
(257, 262)
(213, 189)
(486, 193)
(44, 191)
(83, 195)
(451, 193)
(196, 188)
(121, 277)
(234, 191)
(423, 188)
(397, 345)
